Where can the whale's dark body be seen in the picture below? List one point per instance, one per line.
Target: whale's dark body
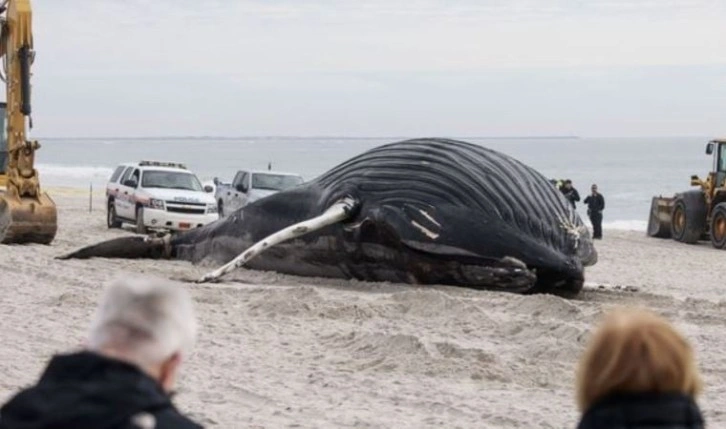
(430, 211)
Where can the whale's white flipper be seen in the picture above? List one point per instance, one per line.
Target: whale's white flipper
(339, 211)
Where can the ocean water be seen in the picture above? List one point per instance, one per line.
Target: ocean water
(628, 171)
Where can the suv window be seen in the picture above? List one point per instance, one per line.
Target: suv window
(126, 175)
(135, 176)
(171, 180)
(116, 174)
(240, 179)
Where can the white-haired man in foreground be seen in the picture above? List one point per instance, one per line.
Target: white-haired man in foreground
(142, 330)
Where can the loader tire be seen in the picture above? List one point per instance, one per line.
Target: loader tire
(688, 217)
(718, 226)
(657, 227)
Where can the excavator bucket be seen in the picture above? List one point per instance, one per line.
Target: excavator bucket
(27, 220)
(659, 221)
(27, 215)
(23, 220)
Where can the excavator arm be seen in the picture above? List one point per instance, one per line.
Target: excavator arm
(27, 215)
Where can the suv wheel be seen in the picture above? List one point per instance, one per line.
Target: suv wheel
(140, 227)
(111, 220)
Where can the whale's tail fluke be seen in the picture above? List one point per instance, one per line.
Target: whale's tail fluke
(338, 212)
(135, 247)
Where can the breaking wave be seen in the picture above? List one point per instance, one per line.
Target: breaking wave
(627, 225)
(69, 175)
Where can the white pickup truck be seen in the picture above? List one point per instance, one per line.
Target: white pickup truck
(251, 185)
(163, 195)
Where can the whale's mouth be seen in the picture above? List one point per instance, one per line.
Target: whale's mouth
(590, 259)
(586, 253)
(452, 265)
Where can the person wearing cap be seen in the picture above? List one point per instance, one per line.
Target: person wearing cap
(595, 206)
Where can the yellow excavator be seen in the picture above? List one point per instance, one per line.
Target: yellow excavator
(27, 215)
(696, 214)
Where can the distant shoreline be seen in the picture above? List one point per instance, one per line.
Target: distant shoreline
(306, 138)
(392, 138)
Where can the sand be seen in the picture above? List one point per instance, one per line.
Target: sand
(278, 351)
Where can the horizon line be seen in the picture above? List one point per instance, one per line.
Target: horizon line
(301, 137)
(311, 137)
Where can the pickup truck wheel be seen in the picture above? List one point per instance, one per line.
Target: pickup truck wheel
(111, 220)
(140, 227)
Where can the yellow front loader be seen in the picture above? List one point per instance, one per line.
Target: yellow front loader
(27, 215)
(697, 214)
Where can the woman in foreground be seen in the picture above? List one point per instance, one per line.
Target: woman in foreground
(638, 372)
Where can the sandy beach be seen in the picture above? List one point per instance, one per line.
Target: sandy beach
(277, 351)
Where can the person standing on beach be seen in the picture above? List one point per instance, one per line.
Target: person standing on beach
(570, 192)
(595, 205)
(124, 379)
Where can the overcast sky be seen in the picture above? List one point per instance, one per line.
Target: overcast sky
(379, 68)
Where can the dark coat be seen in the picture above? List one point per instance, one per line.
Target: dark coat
(571, 195)
(87, 391)
(595, 203)
(643, 411)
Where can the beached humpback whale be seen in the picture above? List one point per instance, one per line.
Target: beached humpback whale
(422, 211)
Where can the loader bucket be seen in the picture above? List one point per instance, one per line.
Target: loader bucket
(27, 220)
(659, 221)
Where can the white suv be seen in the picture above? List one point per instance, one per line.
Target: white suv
(164, 195)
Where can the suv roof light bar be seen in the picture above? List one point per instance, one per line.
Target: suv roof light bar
(163, 164)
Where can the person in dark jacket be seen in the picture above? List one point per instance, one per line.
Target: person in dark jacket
(638, 372)
(595, 206)
(125, 377)
(570, 192)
